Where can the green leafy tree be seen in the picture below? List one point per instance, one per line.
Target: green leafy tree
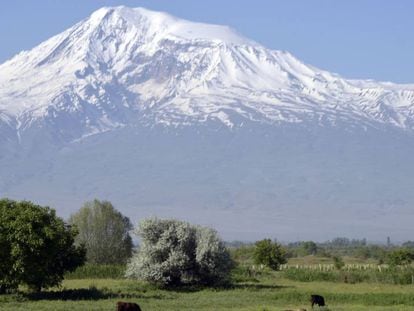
(362, 252)
(174, 252)
(104, 231)
(401, 256)
(269, 253)
(309, 248)
(36, 246)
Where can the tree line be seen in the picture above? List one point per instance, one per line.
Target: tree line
(37, 248)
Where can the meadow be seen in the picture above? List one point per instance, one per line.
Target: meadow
(99, 288)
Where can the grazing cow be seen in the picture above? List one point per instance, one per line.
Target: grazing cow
(127, 306)
(317, 300)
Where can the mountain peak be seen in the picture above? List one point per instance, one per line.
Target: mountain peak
(169, 117)
(126, 65)
(160, 25)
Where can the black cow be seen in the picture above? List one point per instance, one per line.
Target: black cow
(317, 300)
(127, 306)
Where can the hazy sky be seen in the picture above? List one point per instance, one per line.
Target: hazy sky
(355, 38)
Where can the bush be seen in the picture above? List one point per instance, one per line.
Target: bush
(36, 246)
(338, 262)
(105, 233)
(402, 256)
(174, 252)
(270, 254)
(308, 248)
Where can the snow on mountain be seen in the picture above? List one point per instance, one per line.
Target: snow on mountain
(124, 66)
(197, 122)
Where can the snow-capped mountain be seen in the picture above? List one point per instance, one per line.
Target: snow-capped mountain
(168, 117)
(123, 66)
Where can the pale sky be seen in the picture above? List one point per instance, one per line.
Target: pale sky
(359, 39)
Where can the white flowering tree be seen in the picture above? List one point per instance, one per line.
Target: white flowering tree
(173, 252)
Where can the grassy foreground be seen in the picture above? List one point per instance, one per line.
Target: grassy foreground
(270, 292)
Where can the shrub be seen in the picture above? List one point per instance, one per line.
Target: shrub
(174, 252)
(308, 248)
(402, 256)
(338, 262)
(36, 246)
(270, 254)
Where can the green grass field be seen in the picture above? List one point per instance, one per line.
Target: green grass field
(269, 292)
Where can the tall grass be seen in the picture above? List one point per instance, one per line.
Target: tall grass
(90, 271)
